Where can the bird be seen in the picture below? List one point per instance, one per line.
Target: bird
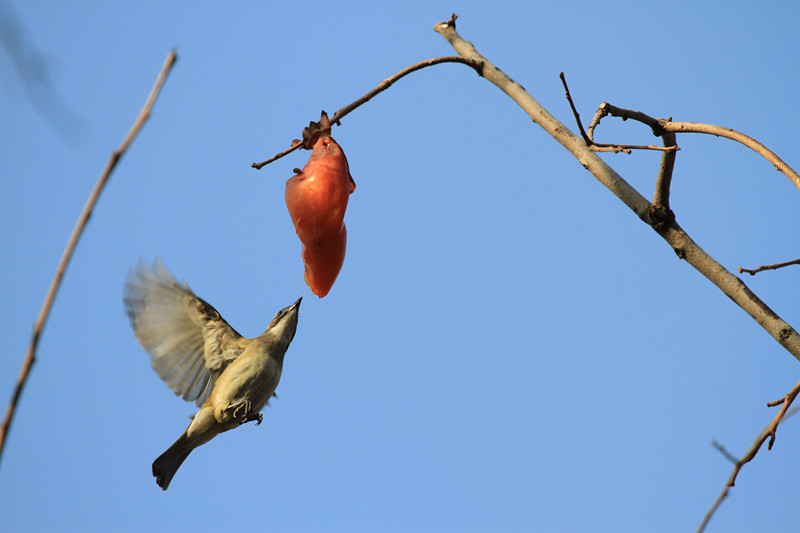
(203, 359)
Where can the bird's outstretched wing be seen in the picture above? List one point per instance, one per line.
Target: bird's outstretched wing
(189, 343)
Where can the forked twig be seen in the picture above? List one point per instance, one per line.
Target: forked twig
(385, 84)
(768, 433)
(30, 356)
(661, 127)
(606, 147)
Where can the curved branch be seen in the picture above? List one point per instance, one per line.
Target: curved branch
(710, 129)
(382, 86)
(388, 82)
(669, 230)
(30, 356)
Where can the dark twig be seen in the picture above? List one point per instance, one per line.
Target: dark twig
(575, 113)
(385, 84)
(725, 453)
(776, 266)
(767, 433)
(605, 109)
(30, 356)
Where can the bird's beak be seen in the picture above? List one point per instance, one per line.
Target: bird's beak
(297, 303)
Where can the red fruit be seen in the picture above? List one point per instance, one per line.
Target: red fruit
(323, 260)
(317, 200)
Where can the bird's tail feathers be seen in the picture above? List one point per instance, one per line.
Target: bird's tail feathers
(165, 466)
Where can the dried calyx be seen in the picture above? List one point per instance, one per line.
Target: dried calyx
(314, 131)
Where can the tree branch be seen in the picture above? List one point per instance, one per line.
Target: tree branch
(605, 147)
(768, 432)
(710, 129)
(776, 266)
(382, 86)
(669, 230)
(30, 356)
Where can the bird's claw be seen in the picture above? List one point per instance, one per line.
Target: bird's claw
(244, 408)
(242, 412)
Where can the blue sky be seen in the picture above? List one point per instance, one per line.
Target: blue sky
(507, 348)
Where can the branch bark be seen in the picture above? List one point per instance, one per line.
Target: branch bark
(668, 229)
(30, 355)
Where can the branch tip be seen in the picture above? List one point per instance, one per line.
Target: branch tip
(776, 266)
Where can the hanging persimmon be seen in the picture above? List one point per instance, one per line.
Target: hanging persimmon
(316, 198)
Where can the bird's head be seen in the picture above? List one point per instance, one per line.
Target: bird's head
(284, 325)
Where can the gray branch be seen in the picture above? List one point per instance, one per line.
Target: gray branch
(733, 287)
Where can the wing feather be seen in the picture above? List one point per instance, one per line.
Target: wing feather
(189, 343)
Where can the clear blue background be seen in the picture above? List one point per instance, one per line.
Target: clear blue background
(507, 348)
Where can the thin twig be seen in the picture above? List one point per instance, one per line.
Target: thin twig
(388, 82)
(30, 356)
(385, 84)
(776, 266)
(616, 148)
(605, 147)
(725, 453)
(768, 432)
(288, 151)
(575, 113)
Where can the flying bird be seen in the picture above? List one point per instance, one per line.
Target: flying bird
(203, 359)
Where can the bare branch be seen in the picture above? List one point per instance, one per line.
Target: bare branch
(575, 113)
(30, 356)
(603, 147)
(661, 208)
(710, 129)
(664, 178)
(669, 230)
(605, 109)
(388, 82)
(776, 266)
(768, 432)
(295, 146)
(385, 84)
